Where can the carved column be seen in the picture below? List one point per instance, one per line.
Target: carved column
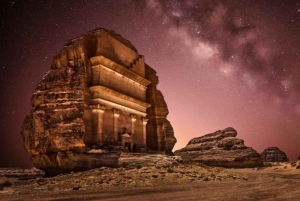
(133, 119)
(116, 117)
(145, 121)
(97, 112)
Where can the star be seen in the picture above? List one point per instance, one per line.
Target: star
(233, 52)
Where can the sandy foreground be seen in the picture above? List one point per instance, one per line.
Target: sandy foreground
(281, 181)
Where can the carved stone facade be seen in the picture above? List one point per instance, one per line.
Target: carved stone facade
(99, 94)
(117, 104)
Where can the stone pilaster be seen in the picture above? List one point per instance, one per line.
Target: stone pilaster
(116, 118)
(145, 121)
(97, 112)
(133, 119)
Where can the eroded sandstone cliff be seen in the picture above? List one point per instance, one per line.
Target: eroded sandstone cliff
(220, 148)
(58, 131)
(159, 128)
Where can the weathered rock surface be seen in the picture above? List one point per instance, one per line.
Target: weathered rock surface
(273, 154)
(60, 133)
(157, 114)
(129, 160)
(222, 149)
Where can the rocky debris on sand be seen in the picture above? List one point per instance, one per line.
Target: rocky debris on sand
(137, 160)
(280, 166)
(221, 149)
(273, 154)
(123, 177)
(18, 172)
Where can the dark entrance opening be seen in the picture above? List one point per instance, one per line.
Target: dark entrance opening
(128, 145)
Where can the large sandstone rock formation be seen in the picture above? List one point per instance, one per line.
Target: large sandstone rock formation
(95, 102)
(157, 113)
(220, 148)
(273, 154)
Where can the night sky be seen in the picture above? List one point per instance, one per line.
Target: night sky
(220, 63)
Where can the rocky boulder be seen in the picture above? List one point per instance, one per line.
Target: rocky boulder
(273, 154)
(221, 149)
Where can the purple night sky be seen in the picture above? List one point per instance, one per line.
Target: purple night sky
(220, 63)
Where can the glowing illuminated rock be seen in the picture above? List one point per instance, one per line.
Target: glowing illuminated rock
(99, 99)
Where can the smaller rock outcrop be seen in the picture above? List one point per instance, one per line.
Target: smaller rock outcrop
(273, 154)
(222, 149)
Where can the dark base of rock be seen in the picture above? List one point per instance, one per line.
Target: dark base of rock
(222, 160)
(82, 160)
(68, 161)
(170, 153)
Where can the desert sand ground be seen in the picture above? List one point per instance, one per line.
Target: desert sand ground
(281, 181)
